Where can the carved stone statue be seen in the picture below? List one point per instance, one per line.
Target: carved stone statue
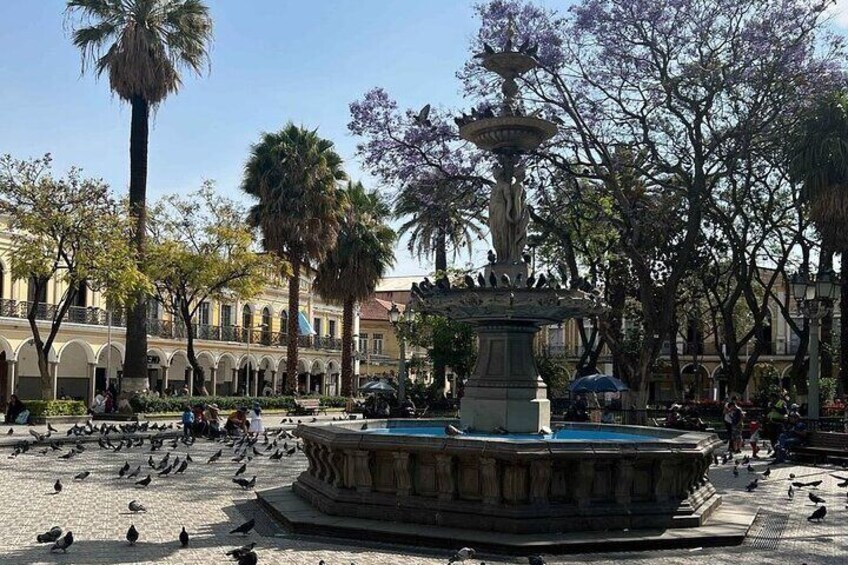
(508, 216)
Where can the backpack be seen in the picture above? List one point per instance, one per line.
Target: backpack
(23, 417)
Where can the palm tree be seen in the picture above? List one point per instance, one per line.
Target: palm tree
(440, 216)
(818, 159)
(142, 45)
(293, 174)
(350, 272)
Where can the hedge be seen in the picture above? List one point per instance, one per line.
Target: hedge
(42, 408)
(154, 404)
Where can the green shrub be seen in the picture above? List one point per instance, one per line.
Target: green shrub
(154, 404)
(43, 408)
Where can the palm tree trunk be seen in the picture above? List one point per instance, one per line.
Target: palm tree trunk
(135, 363)
(439, 369)
(347, 347)
(294, 314)
(842, 383)
(826, 342)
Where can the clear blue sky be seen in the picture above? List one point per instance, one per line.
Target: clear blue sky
(272, 61)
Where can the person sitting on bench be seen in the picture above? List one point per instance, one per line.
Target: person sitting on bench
(794, 434)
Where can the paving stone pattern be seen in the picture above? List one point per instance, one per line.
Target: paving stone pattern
(209, 505)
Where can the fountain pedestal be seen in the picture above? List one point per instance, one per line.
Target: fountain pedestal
(505, 390)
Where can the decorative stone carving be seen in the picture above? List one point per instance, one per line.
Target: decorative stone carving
(583, 486)
(445, 480)
(403, 477)
(540, 480)
(624, 481)
(362, 471)
(335, 460)
(490, 485)
(663, 487)
(514, 483)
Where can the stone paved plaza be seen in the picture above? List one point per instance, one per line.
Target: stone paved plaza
(209, 505)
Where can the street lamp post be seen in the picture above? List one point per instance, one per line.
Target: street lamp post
(402, 324)
(815, 298)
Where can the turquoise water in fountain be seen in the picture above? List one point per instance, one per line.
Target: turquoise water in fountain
(565, 434)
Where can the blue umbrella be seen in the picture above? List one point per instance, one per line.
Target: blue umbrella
(597, 383)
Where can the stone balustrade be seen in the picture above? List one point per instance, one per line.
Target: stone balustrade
(513, 486)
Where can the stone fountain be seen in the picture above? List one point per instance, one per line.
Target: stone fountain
(507, 472)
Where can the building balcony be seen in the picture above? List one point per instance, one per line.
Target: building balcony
(167, 329)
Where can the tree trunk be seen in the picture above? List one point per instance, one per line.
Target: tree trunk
(842, 384)
(347, 348)
(135, 362)
(439, 369)
(294, 314)
(199, 379)
(826, 342)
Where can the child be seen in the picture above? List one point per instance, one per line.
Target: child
(755, 438)
(256, 426)
(188, 421)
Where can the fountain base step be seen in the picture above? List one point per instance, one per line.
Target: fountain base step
(722, 527)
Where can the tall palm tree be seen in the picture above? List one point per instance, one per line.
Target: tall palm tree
(142, 45)
(363, 253)
(441, 216)
(818, 158)
(293, 174)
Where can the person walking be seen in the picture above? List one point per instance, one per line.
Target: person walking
(256, 426)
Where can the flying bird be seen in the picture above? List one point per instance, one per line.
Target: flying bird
(65, 542)
(184, 538)
(423, 117)
(244, 528)
(132, 534)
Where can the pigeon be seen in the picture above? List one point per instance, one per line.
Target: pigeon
(814, 484)
(144, 482)
(166, 471)
(481, 280)
(135, 473)
(239, 551)
(215, 457)
(82, 476)
(51, 428)
(462, 555)
(535, 560)
(68, 455)
(244, 528)
(767, 473)
(132, 534)
(422, 118)
(505, 280)
(469, 281)
(136, 506)
(752, 485)
(50, 536)
(736, 470)
(181, 469)
(493, 280)
(184, 538)
(791, 492)
(818, 514)
(249, 558)
(815, 499)
(491, 256)
(244, 483)
(123, 470)
(751, 469)
(57, 486)
(453, 430)
(241, 470)
(11, 431)
(150, 462)
(65, 542)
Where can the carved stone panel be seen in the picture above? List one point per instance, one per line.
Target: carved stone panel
(403, 476)
(514, 484)
(469, 479)
(540, 481)
(490, 485)
(445, 477)
(362, 471)
(425, 475)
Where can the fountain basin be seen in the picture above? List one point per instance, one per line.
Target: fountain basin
(589, 478)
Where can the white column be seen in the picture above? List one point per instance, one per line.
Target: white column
(213, 374)
(164, 370)
(255, 375)
(235, 383)
(12, 373)
(273, 382)
(53, 368)
(92, 378)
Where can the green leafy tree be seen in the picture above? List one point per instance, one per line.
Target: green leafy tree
(142, 45)
(200, 249)
(450, 343)
(67, 230)
(554, 370)
(293, 174)
(350, 272)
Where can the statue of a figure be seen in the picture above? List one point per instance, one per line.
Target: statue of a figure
(508, 216)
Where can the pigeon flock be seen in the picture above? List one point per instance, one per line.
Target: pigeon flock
(160, 443)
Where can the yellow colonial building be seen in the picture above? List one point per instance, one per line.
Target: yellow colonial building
(240, 344)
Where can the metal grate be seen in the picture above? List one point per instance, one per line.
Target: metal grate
(768, 528)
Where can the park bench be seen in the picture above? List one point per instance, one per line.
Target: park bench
(821, 446)
(306, 406)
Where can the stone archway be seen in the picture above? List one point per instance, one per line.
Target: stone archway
(75, 372)
(247, 371)
(207, 362)
(28, 377)
(225, 375)
(179, 372)
(333, 379)
(110, 365)
(696, 382)
(316, 377)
